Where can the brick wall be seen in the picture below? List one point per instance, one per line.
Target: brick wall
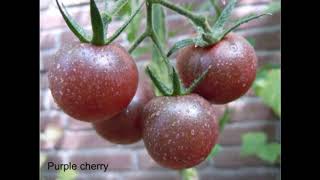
(79, 142)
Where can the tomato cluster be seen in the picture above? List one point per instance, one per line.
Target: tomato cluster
(98, 82)
(102, 85)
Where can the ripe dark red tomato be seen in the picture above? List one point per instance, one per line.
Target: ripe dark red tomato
(92, 83)
(180, 131)
(126, 127)
(233, 68)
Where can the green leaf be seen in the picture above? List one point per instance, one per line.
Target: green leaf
(267, 86)
(179, 45)
(252, 143)
(126, 9)
(270, 152)
(98, 27)
(189, 174)
(214, 151)
(218, 27)
(224, 119)
(77, 30)
(67, 175)
(125, 24)
(241, 21)
(139, 51)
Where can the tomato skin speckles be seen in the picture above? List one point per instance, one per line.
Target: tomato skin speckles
(179, 132)
(233, 68)
(92, 83)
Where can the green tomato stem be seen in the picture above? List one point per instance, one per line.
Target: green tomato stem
(138, 41)
(196, 19)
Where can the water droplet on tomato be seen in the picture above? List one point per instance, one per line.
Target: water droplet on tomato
(192, 132)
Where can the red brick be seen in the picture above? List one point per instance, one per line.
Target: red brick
(250, 108)
(241, 174)
(83, 16)
(232, 133)
(152, 175)
(53, 19)
(48, 21)
(83, 140)
(179, 26)
(46, 59)
(47, 40)
(269, 57)
(74, 124)
(230, 157)
(44, 84)
(265, 39)
(120, 160)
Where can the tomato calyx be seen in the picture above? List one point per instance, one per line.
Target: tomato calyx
(99, 21)
(178, 88)
(221, 27)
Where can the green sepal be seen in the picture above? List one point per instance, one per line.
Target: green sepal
(197, 81)
(77, 30)
(242, 21)
(218, 26)
(160, 86)
(98, 26)
(178, 88)
(179, 45)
